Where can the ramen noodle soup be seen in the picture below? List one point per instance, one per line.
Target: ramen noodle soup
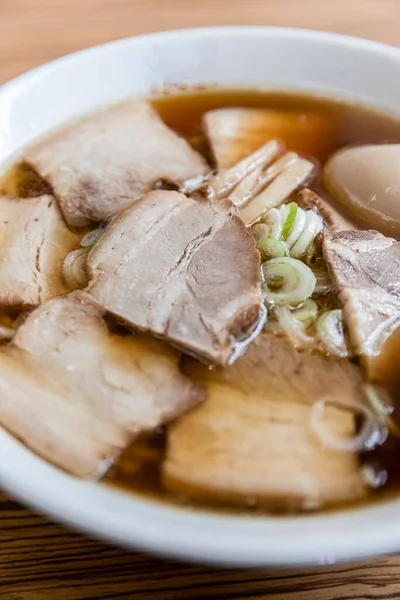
(200, 300)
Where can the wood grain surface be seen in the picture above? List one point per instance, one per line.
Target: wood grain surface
(40, 560)
(43, 561)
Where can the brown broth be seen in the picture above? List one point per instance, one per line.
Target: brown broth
(139, 468)
(349, 123)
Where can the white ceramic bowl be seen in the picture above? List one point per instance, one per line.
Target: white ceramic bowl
(248, 56)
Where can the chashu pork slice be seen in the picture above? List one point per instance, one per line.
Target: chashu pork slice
(184, 270)
(39, 407)
(131, 382)
(333, 214)
(103, 163)
(234, 133)
(255, 440)
(365, 270)
(34, 241)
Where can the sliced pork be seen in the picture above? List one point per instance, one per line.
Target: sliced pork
(280, 180)
(34, 242)
(234, 133)
(39, 407)
(334, 216)
(241, 179)
(259, 182)
(183, 269)
(365, 270)
(254, 441)
(105, 162)
(132, 382)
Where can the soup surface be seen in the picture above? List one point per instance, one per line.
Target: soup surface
(347, 123)
(313, 379)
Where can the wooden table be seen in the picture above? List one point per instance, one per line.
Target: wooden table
(40, 560)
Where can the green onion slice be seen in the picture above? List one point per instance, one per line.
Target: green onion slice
(287, 281)
(306, 313)
(271, 248)
(74, 269)
(260, 231)
(290, 219)
(331, 334)
(273, 219)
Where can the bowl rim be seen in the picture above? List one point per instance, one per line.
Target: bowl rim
(351, 41)
(185, 533)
